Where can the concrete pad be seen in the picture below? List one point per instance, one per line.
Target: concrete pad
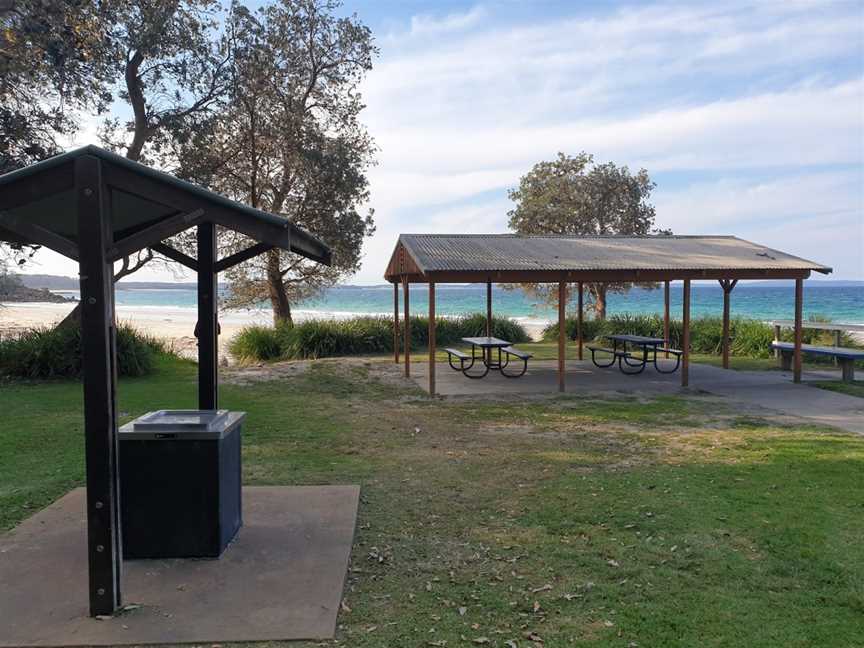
(282, 578)
(773, 391)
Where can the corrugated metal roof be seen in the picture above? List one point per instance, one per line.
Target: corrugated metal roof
(511, 252)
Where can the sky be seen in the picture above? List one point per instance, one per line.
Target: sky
(748, 116)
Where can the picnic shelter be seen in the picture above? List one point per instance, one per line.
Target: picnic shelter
(565, 259)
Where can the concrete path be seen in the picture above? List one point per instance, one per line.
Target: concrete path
(771, 390)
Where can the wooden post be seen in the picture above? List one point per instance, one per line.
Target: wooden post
(666, 316)
(488, 309)
(579, 322)
(727, 286)
(396, 322)
(777, 354)
(685, 336)
(207, 328)
(837, 340)
(98, 353)
(407, 345)
(562, 335)
(431, 338)
(799, 308)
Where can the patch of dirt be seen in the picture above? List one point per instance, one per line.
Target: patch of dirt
(247, 374)
(263, 372)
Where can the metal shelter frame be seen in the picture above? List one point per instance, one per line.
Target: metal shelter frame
(96, 207)
(433, 259)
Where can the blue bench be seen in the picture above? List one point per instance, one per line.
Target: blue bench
(846, 357)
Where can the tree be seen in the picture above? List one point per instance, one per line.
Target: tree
(575, 196)
(289, 142)
(54, 61)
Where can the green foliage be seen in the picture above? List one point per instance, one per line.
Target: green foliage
(56, 353)
(750, 338)
(575, 195)
(256, 343)
(359, 336)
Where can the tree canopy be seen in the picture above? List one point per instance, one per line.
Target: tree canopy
(288, 140)
(573, 195)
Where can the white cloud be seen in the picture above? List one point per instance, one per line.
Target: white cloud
(426, 24)
(733, 90)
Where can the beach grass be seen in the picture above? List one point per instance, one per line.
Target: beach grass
(634, 522)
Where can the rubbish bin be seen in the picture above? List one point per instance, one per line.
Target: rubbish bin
(180, 483)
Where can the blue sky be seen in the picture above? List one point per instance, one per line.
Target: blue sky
(749, 116)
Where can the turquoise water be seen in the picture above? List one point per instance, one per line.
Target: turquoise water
(838, 303)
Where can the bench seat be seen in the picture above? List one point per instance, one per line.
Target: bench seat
(522, 355)
(459, 354)
(676, 352)
(616, 353)
(846, 356)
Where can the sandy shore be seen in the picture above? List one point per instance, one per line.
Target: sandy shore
(173, 324)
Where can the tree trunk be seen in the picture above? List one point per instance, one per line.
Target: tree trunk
(278, 295)
(598, 291)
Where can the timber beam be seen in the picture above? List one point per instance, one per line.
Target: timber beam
(241, 256)
(175, 255)
(30, 233)
(147, 237)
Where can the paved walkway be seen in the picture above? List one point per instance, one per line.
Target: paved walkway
(770, 390)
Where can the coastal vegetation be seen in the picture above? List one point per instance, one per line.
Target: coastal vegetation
(604, 522)
(750, 338)
(56, 352)
(359, 336)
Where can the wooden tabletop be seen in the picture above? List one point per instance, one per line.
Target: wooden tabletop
(637, 339)
(489, 342)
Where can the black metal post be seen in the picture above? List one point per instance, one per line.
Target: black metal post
(208, 340)
(98, 353)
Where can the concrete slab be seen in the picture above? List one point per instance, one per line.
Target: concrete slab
(773, 391)
(282, 578)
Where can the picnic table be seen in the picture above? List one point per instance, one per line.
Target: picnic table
(635, 363)
(487, 346)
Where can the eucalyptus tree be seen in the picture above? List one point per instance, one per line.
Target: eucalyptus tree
(573, 195)
(289, 141)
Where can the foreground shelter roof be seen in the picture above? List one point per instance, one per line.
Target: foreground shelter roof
(96, 207)
(146, 206)
(511, 257)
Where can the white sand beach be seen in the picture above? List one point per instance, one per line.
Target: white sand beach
(175, 324)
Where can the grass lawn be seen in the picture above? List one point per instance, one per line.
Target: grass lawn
(855, 388)
(665, 522)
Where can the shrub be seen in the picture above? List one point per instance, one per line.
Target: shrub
(750, 338)
(360, 335)
(56, 352)
(256, 343)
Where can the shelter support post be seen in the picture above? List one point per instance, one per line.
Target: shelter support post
(207, 328)
(562, 334)
(488, 352)
(685, 336)
(98, 343)
(407, 327)
(431, 338)
(727, 286)
(799, 308)
(488, 309)
(579, 320)
(666, 316)
(396, 322)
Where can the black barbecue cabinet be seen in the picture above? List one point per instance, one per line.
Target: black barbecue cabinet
(180, 483)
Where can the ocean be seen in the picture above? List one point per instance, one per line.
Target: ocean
(758, 301)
